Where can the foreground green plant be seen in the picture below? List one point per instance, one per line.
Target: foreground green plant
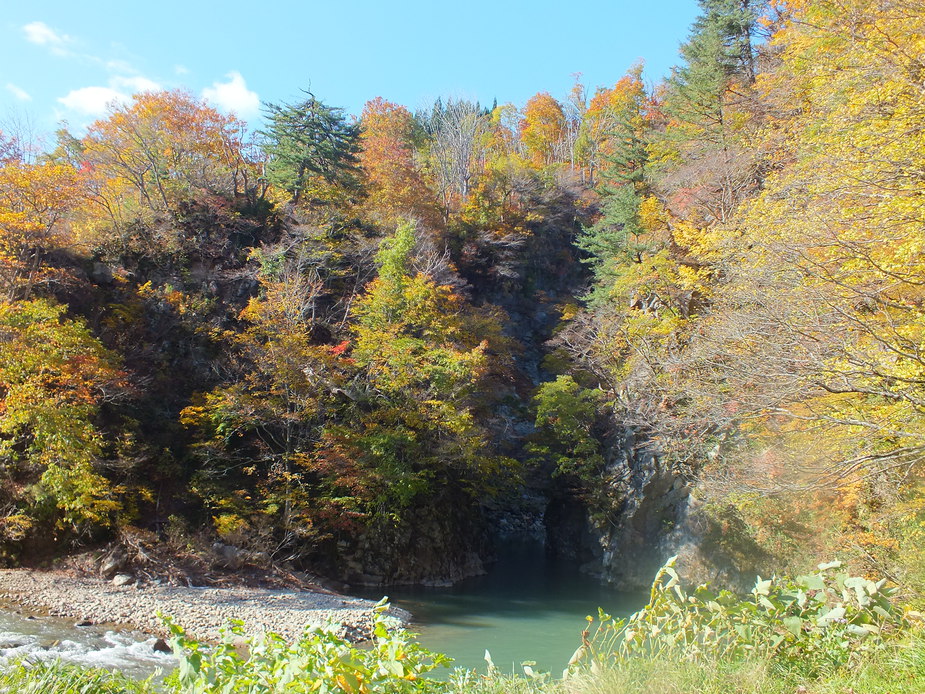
(24, 677)
(319, 662)
(898, 669)
(811, 624)
(822, 633)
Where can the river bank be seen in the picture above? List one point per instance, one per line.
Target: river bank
(200, 611)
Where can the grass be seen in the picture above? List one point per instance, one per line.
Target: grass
(58, 678)
(898, 670)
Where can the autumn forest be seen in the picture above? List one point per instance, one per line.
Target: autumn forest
(637, 319)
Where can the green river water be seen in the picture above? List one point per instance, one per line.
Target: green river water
(526, 608)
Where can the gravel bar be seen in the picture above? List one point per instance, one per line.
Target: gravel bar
(200, 611)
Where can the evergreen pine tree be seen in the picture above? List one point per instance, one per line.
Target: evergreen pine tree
(618, 237)
(310, 139)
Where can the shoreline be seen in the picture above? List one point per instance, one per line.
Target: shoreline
(200, 611)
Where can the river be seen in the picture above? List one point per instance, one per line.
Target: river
(51, 639)
(525, 609)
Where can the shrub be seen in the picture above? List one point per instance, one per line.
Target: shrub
(319, 662)
(811, 624)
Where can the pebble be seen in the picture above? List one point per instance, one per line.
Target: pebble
(202, 612)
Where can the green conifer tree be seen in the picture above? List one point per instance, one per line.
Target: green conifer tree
(311, 140)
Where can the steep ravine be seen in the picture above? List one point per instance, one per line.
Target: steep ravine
(533, 282)
(624, 543)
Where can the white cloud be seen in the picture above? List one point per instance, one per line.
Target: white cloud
(135, 84)
(92, 101)
(63, 45)
(180, 70)
(233, 95)
(41, 34)
(18, 92)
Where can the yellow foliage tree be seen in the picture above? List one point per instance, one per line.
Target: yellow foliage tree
(35, 200)
(147, 157)
(543, 129)
(54, 375)
(832, 276)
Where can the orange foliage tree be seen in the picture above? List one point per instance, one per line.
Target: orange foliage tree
(54, 376)
(608, 113)
(163, 148)
(543, 129)
(34, 201)
(395, 187)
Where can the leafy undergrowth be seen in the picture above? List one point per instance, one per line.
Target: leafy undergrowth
(57, 678)
(823, 633)
(320, 661)
(899, 670)
(809, 625)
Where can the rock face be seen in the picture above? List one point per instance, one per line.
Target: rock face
(438, 545)
(627, 529)
(622, 531)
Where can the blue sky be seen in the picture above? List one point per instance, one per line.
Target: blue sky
(64, 59)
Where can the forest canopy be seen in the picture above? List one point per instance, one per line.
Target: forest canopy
(352, 343)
